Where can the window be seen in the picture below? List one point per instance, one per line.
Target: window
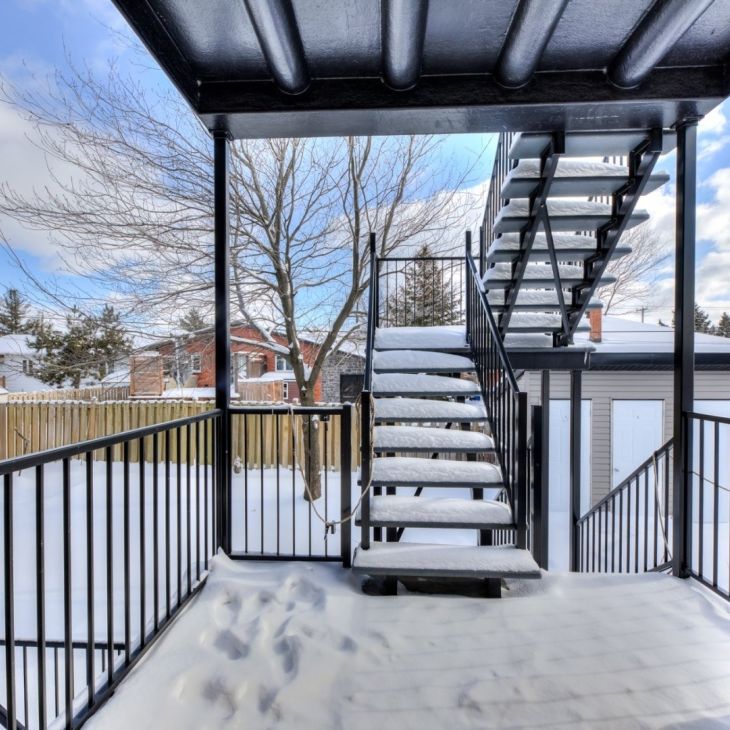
(27, 367)
(195, 362)
(283, 363)
(240, 365)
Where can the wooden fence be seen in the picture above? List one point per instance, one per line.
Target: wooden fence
(93, 393)
(257, 440)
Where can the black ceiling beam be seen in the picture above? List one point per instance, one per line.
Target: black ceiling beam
(555, 100)
(655, 35)
(403, 31)
(530, 30)
(278, 33)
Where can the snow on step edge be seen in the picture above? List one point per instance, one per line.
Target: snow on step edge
(418, 438)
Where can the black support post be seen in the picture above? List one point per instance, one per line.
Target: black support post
(684, 299)
(575, 453)
(545, 468)
(222, 327)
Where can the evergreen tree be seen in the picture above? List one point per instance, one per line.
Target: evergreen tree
(110, 340)
(723, 326)
(14, 314)
(192, 321)
(425, 297)
(87, 347)
(703, 323)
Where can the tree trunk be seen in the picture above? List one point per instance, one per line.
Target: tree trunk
(312, 457)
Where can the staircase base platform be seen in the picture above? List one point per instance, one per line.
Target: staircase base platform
(444, 561)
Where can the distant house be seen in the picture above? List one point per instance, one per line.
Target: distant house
(19, 363)
(258, 373)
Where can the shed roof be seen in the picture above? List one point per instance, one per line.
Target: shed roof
(263, 68)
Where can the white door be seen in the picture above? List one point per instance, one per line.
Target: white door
(559, 531)
(636, 432)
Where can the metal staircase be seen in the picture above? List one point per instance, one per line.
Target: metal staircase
(548, 237)
(444, 429)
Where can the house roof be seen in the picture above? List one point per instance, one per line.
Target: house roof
(18, 345)
(285, 68)
(625, 345)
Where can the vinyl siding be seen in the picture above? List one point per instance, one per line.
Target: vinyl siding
(602, 388)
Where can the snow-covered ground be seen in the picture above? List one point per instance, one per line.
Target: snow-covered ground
(299, 646)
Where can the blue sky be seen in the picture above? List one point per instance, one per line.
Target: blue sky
(38, 36)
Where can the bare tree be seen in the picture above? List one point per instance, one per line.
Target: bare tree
(135, 216)
(635, 274)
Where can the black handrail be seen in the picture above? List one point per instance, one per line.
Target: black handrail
(505, 404)
(366, 400)
(628, 529)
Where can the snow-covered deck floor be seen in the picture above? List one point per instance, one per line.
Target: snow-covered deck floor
(298, 646)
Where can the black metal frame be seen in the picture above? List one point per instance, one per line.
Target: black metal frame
(576, 432)
(150, 626)
(641, 163)
(616, 535)
(366, 398)
(538, 212)
(701, 464)
(338, 417)
(506, 405)
(684, 299)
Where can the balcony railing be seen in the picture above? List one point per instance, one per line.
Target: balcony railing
(99, 557)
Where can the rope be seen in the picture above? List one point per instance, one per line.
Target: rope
(660, 511)
(330, 526)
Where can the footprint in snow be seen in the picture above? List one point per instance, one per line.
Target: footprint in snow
(230, 645)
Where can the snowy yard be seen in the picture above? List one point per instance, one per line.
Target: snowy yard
(299, 646)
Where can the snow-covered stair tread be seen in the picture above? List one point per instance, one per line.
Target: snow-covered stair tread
(457, 561)
(539, 300)
(392, 511)
(420, 361)
(568, 246)
(415, 385)
(499, 276)
(412, 471)
(540, 322)
(565, 215)
(421, 439)
(584, 144)
(427, 411)
(444, 337)
(574, 177)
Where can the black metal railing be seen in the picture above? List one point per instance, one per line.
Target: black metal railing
(366, 399)
(99, 557)
(421, 292)
(500, 169)
(505, 404)
(630, 529)
(708, 513)
(273, 448)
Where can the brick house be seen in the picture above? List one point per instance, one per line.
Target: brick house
(258, 373)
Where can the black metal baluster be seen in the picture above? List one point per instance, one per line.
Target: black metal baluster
(646, 519)
(142, 543)
(197, 498)
(40, 542)
(9, 601)
(277, 423)
(188, 508)
(716, 506)
(109, 563)
(178, 513)
(206, 469)
(167, 524)
(156, 530)
(90, 635)
(67, 594)
(245, 482)
(127, 557)
(701, 497)
(261, 473)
